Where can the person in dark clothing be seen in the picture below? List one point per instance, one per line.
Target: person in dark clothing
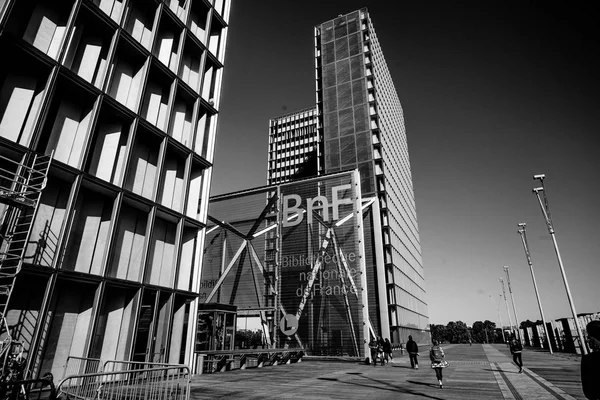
(413, 352)
(516, 349)
(387, 349)
(590, 364)
(380, 351)
(373, 348)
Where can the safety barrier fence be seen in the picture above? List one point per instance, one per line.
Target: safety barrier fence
(81, 365)
(164, 383)
(224, 360)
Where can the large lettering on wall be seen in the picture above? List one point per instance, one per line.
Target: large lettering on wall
(294, 210)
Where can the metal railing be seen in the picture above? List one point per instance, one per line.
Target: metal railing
(157, 383)
(81, 365)
(117, 365)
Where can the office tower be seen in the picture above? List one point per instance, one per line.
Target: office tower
(295, 148)
(123, 95)
(363, 127)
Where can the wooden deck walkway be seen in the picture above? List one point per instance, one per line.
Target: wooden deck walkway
(479, 371)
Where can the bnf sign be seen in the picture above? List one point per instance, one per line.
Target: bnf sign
(293, 214)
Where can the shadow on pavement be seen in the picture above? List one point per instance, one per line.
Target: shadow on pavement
(381, 385)
(424, 384)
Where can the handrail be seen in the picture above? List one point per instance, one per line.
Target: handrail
(85, 364)
(141, 363)
(137, 383)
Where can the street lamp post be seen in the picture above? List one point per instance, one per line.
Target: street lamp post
(512, 299)
(506, 302)
(548, 217)
(499, 317)
(523, 235)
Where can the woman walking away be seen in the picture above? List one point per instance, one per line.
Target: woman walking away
(590, 364)
(516, 348)
(436, 354)
(413, 352)
(387, 349)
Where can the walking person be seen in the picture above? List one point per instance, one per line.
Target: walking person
(373, 347)
(380, 347)
(590, 364)
(516, 349)
(413, 352)
(438, 362)
(387, 349)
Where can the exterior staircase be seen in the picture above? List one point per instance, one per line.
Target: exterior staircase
(21, 186)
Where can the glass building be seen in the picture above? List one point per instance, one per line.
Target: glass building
(123, 95)
(362, 126)
(291, 255)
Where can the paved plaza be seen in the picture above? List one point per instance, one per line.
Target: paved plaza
(476, 372)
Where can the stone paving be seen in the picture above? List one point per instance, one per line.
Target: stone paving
(475, 372)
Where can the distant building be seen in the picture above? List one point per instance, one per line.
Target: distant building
(295, 148)
(124, 95)
(360, 124)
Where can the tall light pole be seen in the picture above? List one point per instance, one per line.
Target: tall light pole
(548, 217)
(499, 317)
(523, 235)
(506, 302)
(512, 299)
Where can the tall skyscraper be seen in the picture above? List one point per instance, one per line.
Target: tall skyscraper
(295, 148)
(124, 98)
(362, 126)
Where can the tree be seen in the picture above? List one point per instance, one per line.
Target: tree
(457, 332)
(484, 332)
(490, 328)
(478, 333)
(438, 332)
(245, 338)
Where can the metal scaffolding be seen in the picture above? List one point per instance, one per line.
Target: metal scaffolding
(21, 185)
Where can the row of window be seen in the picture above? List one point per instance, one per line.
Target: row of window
(83, 226)
(89, 319)
(400, 297)
(301, 135)
(400, 316)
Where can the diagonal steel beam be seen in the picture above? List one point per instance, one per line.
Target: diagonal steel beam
(224, 274)
(342, 258)
(227, 226)
(262, 271)
(314, 272)
(262, 215)
(346, 301)
(257, 290)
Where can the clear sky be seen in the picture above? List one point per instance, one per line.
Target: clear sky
(493, 92)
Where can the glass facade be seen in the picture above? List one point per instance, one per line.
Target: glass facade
(363, 127)
(125, 96)
(293, 250)
(344, 105)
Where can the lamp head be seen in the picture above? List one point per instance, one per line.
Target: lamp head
(539, 176)
(538, 189)
(522, 224)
